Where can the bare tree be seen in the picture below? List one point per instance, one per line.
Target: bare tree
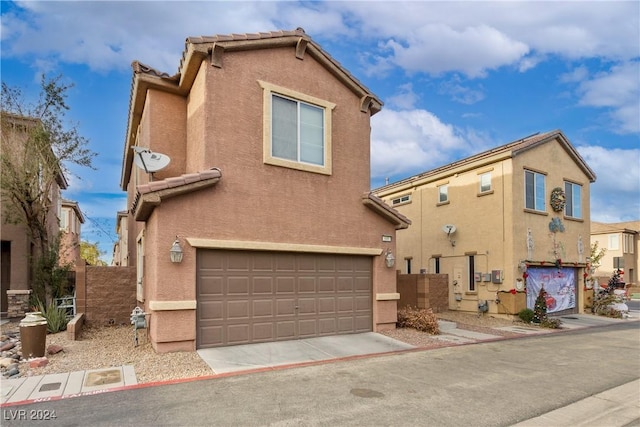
(38, 146)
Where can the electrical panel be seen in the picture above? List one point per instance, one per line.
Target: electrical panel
(486, 277)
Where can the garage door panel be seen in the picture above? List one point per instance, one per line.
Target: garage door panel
(285, 330)
(327, 285)
(326, 305)
(307, 328)
(345, 305)
(345, 324)
(212, 286)
(326, 264)
(254, 296)
(363, 303)
(306, 306)
(262, 332)
(286, 307)
(362, 323)
(212, 335)
(285, 285)
(262, 308)
(307, 285)
(238, 334)
(306, 263)
(262, 286)
(238, 285)
(237, 309)
(362, 284)
(211, 310)
(286, 262)
(328, 326)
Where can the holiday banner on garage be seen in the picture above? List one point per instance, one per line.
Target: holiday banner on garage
(559, 284)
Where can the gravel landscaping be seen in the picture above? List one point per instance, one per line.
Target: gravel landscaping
(106, 347)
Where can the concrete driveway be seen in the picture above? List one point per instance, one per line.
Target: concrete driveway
(265, 355)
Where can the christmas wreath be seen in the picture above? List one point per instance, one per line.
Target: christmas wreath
(558, 199)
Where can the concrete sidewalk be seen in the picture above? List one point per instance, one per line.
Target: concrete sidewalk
(617, 407)
(79, 383)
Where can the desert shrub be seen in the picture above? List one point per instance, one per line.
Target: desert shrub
(602, 305)
(418, 318)
(526, 315)
(56, 317)
(550, 323)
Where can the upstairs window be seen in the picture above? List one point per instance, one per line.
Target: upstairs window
(443, 193)
(534, 190)
(485, 182)
(297, 130)
(401, 200)
(573, 206)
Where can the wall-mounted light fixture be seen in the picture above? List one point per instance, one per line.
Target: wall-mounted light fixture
(389, 259)
(176, 251)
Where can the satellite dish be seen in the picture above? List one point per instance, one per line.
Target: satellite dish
(150, 162)
(449, 229)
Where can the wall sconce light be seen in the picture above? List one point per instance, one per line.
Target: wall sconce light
(389, 259)
(176, 251)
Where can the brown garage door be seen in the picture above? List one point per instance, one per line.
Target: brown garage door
(247, 297)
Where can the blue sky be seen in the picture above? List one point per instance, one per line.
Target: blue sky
(456, 77)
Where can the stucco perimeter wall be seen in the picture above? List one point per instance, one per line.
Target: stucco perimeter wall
(106, 295)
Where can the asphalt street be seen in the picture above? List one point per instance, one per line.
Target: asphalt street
(498, 383)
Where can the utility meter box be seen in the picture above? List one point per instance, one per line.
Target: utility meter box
(496, 276)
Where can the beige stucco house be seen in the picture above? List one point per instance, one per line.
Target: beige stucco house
(17, 247)
(71, 220)
(266, 196)
(511, 218)
(120, 247)
(622, 247)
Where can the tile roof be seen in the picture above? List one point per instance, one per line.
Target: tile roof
(376, 204)
(170, 187)
(512, 148)
(615, 227)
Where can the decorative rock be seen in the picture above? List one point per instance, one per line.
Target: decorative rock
(6, 346)
(54, 349)
(12, 372)
(6, 362)
(38, 362)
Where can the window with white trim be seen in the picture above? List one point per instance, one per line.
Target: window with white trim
(573, 205)
(443, 193)
(297, 129)
(534, 191)
(627, 243)
(485, 182)
(614, 242)
(401, 200)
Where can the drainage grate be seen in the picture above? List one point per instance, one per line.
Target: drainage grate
(569, 317)
(50, 387)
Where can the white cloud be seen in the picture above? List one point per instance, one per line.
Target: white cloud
(619, 90)
(615, 196)
(404, 100)
(406, 142)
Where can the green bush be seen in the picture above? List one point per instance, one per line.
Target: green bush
(56, 317)
(526, 315)
(418, 318)
(602, 305)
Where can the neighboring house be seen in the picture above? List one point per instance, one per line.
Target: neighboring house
(499, 219)
(266, 196)
(17, 247)
(622, 247)
(120, 248)
(71, 220)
